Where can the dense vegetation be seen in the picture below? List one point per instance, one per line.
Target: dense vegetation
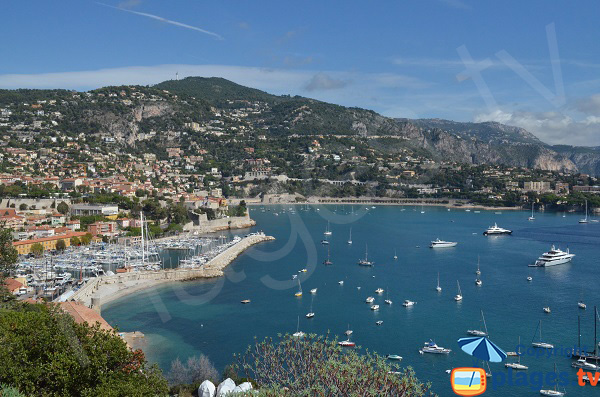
(317, 366)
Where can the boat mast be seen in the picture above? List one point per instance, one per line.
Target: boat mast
(142, 230)
(595, 329)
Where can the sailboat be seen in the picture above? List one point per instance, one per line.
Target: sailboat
(438, 288)
(387, 298)
(299, 293)
(365, 262)
(350, 237)
(540, 344)
(422, 210)
(328, 260)
(532, 218)
(395, 255)
(553, 392)
(585, 220)
(298, 333)
(580, 353)
(518, 364)
(327, 232)
(479, 332)
(458, 296)
(348, 332)
(347, 342)
(310, 314)
(478, 272)
(478, 282)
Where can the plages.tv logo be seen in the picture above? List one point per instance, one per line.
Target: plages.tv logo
(468, 381)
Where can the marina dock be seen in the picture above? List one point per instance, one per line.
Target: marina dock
(101, 290)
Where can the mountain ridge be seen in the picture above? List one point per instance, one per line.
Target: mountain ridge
(173, 105)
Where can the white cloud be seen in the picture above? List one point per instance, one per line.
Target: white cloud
(553, 127)
(322, 81)
(589, 105)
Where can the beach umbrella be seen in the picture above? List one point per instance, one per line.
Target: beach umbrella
(482, 348)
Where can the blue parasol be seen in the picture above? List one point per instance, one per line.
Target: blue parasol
(482, 348)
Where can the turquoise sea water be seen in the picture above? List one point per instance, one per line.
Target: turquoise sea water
(184, 319)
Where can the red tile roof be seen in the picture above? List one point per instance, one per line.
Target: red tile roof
(83, 314)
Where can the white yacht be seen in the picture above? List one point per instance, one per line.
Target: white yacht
(495, 230)
(547, 310)
(458, 296)
(582, 363)
(581, 305)
(553, 392)
(433, 348)
(476, 332)
(375, 307)
(379, 290)
(298, 333)
(437, 243)
(532, 218)
(370, 299)
(408, 303)
(388, 302)
(553, 257)
(366, 261)
(327, 232)
(540, 344)
(585, 220)
(518, 364)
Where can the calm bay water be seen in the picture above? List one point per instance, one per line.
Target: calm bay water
(184, 319)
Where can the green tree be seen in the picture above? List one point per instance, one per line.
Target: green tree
(75, 241)
(23, 207)
(83, 360)
(8, 253)
(63, 208)
(316, 365)
(86, 238)
(37, 249)
(61, 245)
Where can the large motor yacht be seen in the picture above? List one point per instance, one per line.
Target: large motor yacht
(553, 257)
(495, 230)
(437, 243)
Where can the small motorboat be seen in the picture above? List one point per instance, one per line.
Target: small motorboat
(375, 307)
(246, 301)
(379, 322)
(394, 357)
(547, 310)
(313, 291)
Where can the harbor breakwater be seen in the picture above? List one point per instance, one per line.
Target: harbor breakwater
(104, 289)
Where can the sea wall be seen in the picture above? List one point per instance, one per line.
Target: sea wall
(233, 222)
(101, 290)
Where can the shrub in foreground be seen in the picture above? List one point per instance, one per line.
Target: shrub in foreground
(318, 366)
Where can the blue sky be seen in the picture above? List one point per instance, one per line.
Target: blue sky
(537, 63)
